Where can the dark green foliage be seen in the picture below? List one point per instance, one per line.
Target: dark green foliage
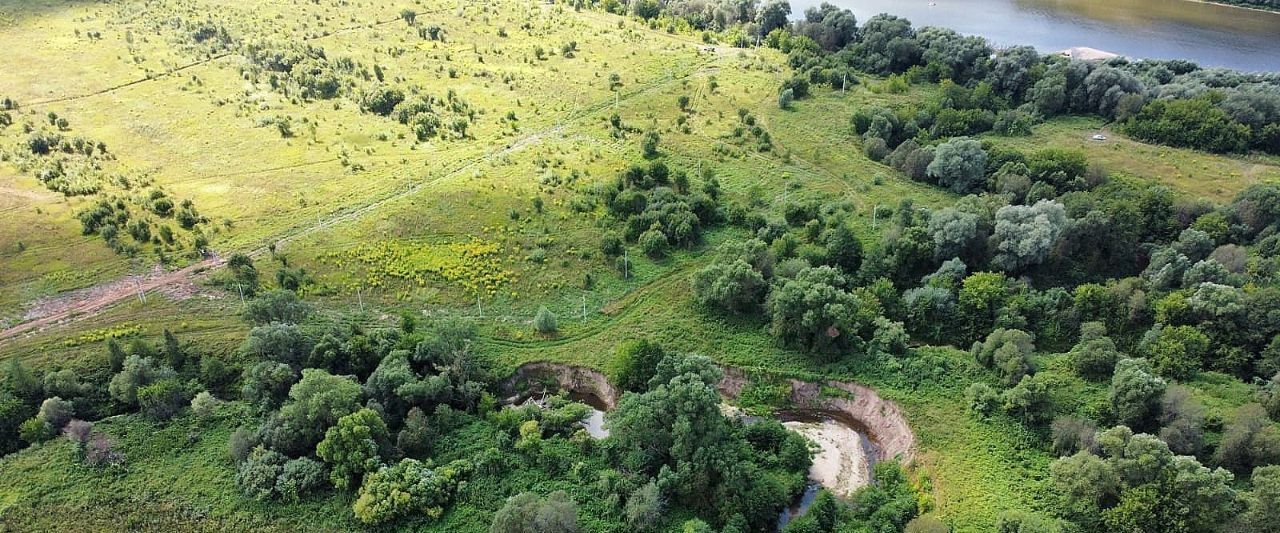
(355, 446)
(299, 478)
(277, 306)
(267, 383)
(276, 341)
(258, 474)
(1006, 351)
(1137, 484)
(636, 362)
(408, 487)
(529, 513)
(1194, 123)
(163, 399)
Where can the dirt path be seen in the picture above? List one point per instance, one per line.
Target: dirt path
(85, 302)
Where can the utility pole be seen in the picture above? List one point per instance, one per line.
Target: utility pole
(584, 307)
(360, 298)
(241, 289)
(478, 308)
(626, 265)
(874, 217)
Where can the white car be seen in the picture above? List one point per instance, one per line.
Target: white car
(1099, 137)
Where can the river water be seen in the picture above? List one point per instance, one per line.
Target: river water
(1209, 34)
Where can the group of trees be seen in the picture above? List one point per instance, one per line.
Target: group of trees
(801, 273)
(1170, 102)
(1135, 289)
(659, 208)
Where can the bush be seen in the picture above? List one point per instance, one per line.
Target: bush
(300, 477)
(204, 405)
(545, 321)
(258, 474)
(786, 98)
(163, 399)
(56, 412)
(653, 242)
(409, 487)
(527, 512)
(277, 306)
(35, 430)
(876, 149)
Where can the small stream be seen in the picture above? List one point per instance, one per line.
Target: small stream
(844, 460)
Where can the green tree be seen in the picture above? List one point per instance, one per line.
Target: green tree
(813, 312)
(1137, 484)
(56, 412)
(1095, 356)
(277, 306)
(267, 383)
(299, 477)
(644, 509)
(258, 474)
(545, 321)
(408, 487)
(1177, 352)
(735, 287)
(649, 144)
(315, 404)
(1007, 351)
(636, 362)
(163, 399)
(136, 373)
(1262, 505)
(1025, 235)
(528, 513)
(1249, 441)
(354, 447)
(1136, 391)
(959, 165)
(1029, 401)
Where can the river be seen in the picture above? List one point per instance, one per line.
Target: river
(1210, 34)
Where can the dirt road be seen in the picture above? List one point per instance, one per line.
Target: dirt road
(88, 301)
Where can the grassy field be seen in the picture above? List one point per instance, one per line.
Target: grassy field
(347, 184)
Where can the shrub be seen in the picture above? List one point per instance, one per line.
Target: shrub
(258, 474)
(163, 399)
(545, 321)
(204, 405)
(786, 98)
(277, 306)
(35, 430)
(408, 487)
(300, 477)
(56, 412)
(876, 149)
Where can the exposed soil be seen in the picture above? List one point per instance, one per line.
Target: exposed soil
(881, 419)
(841, 464)
(85, 302)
